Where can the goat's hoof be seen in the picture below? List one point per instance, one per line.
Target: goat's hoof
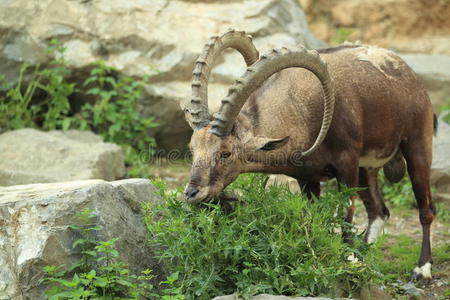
(422, 273)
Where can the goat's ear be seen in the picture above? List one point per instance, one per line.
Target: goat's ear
(266, 144)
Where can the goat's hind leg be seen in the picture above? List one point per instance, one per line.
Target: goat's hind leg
(417, 152)
(377, 211)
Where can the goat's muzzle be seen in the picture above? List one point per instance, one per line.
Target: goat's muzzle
(195, 194)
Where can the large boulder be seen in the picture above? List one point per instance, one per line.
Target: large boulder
(440, 169)
(161, 38)
(434, 71)
(33, 156)
(34, 228)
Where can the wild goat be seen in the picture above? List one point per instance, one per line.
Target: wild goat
(273, 120)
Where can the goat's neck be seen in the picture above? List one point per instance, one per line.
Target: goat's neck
(274, 162)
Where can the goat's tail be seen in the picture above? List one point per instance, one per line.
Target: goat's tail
(435, 124)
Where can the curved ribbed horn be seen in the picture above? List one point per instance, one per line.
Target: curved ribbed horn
(196, 111)
(254, 77)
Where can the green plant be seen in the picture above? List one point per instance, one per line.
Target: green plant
(57, 90)
(341, 34)
(442, 212)
(398, 194)
(113, 112)
(446, 109)
(273, 242)
(22, 107)
(15, 105)
(169, 291)
(99, 274)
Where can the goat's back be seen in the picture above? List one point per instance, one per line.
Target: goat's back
(378, 99)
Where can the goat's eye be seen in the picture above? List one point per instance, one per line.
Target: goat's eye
(225, 155)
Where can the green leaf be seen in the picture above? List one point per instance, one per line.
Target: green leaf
(90, 253)
(125, 282)
(93, 91)
(79, 242)
(100, 282)
(91, 274)
(90, 79)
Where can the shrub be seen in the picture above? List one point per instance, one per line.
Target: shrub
(99, 274)
(40, 99)
(21, 107)
(114, 112)
(273, 242)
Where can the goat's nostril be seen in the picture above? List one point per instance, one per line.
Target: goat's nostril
(191, 192)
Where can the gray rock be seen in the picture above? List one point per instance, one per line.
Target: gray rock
(434, 71)
(160, 38)
(373, 292)
(34, 231)
(283, 180)
(33, 156)
(440, 168)
(410, 289)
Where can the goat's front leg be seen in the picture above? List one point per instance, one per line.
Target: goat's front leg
(309, 188)
(348, 175)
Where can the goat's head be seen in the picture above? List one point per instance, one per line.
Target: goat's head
(220, 150)
(217, 161)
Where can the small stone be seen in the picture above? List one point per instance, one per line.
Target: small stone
(410, 289)
(373, 292)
